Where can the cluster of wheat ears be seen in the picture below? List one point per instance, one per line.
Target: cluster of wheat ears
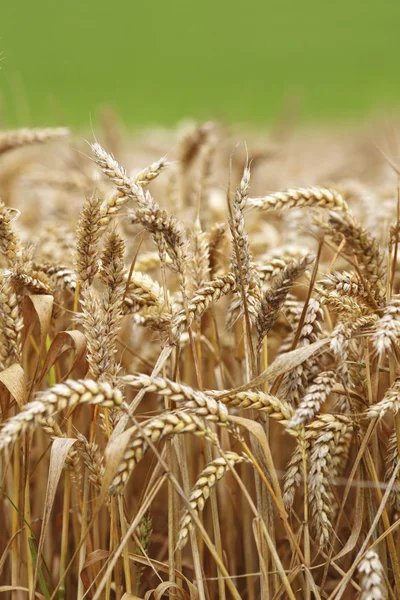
(186, 298)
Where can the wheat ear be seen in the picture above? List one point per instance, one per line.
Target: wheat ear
(168, 423)
(372, 580)
(23, 137)
(390, 401)
(209, 477)
(295, 198)
(61, 396)
(202, 300)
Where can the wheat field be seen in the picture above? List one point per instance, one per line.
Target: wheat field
(241, 288)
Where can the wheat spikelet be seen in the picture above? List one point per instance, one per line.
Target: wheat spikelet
(372, 581)
(113, 275)
(295, 381)
(276, 294)
(338, 448)
(88, 233)
(393, 235)
(154, 317)
(216, 238)
(10, 244)
(209, 477)
(203, 299)
(293, 473)
(329, 430)
(342, 451)
(359, 242)
(148, 262)
(142, 290)
(61, 276)
(291, 310)
(169, 423)
(342, 334)
(346, 284)
(296, 198)
(101, 318)
(34, 281)
(271, 405)
(390, 401)
(247, 284)
(391, 460)
(338, 303)
(170, 237)
(200, 265)
(144, 532)
(206, 160)
(61, 396)
(11, 324)
(145, 176)
(23, 137)
(315, 395)
(92, 458)
(191, 141)
(269, 265)
(52, 428)
(92, 319)
(127, 189)
(183, 394)
(387, 333)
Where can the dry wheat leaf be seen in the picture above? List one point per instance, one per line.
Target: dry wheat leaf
(114, 453)
(159, 566)
(357, 525)
(40, 308)
(128, 596)
(161, 589)
(13, 379)
(284, 363)
(91, 559)
(18, 588)
(258, 431)
(59, 452)
(64, 341)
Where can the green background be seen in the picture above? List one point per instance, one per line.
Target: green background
(158, 62)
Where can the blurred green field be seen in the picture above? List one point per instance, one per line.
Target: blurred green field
(158, 62)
